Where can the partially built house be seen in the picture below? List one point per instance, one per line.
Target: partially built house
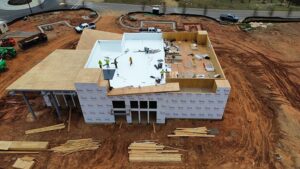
(135, 77)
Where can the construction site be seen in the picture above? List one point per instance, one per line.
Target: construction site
(205, 95)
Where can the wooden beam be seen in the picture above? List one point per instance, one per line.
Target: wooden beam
(44, 129)
(27, 145)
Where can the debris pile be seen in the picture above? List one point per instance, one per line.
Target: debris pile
(260, 24)
(191, 132)
(72, 146)
(152, 152)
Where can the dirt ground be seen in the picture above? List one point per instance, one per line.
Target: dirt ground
(261, 122)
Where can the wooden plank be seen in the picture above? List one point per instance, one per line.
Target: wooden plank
(168, 87)
(23, 164)
(5, 145)
(69, 120)
(155, 151)
(186, 135)
(19, 152)
(27, 145)
(44, 129)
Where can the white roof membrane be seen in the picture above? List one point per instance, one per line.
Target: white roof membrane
(132, 45)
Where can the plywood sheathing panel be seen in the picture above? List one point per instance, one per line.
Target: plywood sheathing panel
(202, 37)
(168, 87)
(89, 37)
(91, 75)
(58, 71)
(180, 36)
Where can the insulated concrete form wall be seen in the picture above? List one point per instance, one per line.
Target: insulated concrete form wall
(97, 106)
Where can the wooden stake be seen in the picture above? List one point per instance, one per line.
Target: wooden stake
(69, 120)
(120, 125)
(154, 131)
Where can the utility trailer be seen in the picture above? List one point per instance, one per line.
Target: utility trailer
(32, 41)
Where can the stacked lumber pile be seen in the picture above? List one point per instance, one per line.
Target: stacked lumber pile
(191, 132)
(152, 152)
(44, 129)
(22, 146)
(24, 163)
(72, 146)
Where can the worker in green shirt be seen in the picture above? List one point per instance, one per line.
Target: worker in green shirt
(100, 64)
(107, 63)
(162, 73)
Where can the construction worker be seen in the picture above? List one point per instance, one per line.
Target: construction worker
(162, 73)
(116, 63)
(130, 61)
(107, 63)
(100, 64)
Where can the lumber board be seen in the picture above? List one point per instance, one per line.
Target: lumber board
(153, 151)
(69, 119)
(5, 145)
(44, 129)
(19, 152)
(187, 135)
(27, 145)
(23, 164)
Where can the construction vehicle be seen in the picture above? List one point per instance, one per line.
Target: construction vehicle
(7, 42)
(3, 65)
(7, 52)
(32, 41)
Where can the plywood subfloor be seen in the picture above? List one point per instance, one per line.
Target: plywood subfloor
(89, 37)
(187, 67)
(58, 71)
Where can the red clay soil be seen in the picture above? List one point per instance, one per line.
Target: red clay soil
(261, 120)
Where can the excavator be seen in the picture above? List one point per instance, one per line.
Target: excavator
(7, 52)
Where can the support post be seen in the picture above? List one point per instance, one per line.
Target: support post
(28, 104)
(53, 102)
(73, 100)
(65, 100)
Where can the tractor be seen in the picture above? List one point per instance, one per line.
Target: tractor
(7, 52)
(7, 42)
(3, 65)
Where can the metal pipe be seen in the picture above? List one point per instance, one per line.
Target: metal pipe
(28, 104)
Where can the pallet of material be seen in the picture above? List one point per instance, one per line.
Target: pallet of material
(152, 152)
(24, 145)
(191, 132)
(72, 146)
(44, 129)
